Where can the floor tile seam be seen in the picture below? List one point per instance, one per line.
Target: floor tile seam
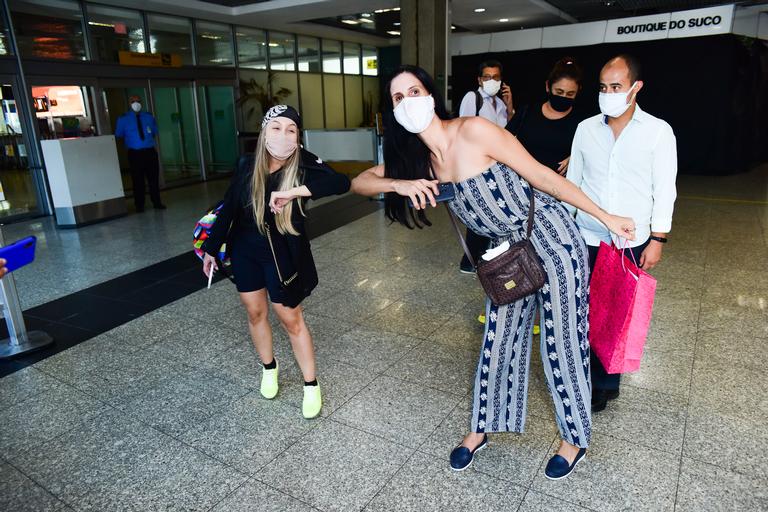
(256, 478)
(688, 407)
(560, 498)
(388, 480)
(645, 388)
(411, 381)
(36, 483)
(378, 436)
(314, 426)
(80, 421)
(677, 453)
(250, 479)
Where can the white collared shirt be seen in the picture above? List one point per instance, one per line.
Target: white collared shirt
(497, 116)
(632, 176)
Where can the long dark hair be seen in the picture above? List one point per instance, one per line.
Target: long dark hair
(406, 157)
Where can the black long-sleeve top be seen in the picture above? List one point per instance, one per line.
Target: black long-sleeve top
(237, 214)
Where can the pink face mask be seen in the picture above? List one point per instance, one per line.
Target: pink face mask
(280, 145)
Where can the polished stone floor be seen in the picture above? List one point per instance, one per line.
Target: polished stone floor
(164, 413)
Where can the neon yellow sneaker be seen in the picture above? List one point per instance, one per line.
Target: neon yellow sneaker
(536, 330)
(481, 319)
(269, 382)
(313, 402)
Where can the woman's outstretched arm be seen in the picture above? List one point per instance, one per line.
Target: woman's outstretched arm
(372, 182)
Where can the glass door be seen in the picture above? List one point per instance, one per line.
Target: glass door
(219, 131)
(174, 109)
(115, 105)
(18, 191)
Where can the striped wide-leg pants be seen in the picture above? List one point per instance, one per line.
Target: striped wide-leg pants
(501, 382)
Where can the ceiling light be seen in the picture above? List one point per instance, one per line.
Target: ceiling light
(480, 9)
(393, 32)
(350, 22)
(365, 20)
(379, 11)
(397, 23)
(366, 15)
(504, 20)
(396, 9)
(453, 27)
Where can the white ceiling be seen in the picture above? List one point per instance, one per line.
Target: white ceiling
(519, 13)
(292, 15)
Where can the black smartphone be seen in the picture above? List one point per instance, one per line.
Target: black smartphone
(446, 193)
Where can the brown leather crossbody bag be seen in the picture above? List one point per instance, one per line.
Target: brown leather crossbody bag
(512, 275)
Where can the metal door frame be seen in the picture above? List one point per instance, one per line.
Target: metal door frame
(29, 136)
(209, 82)
(153, 83)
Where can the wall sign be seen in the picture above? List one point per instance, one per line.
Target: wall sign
(698, 22)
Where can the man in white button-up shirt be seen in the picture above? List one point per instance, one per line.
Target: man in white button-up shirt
(497, 110)
(485, 102)
(625, 160)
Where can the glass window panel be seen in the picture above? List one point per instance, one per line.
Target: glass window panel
(171, 34)
(114, 29)
(309, 54)
(285, 89)
(370, 61)
(252, 94)
(214, 44)
(49, 29)
(334, 102)
(331, 56)
(353, 100)
(351, 59)
(371, 100)
(311, 101)
(281, 51)
(18, 195)
(63, 111)
(5, 45)
(251, 48)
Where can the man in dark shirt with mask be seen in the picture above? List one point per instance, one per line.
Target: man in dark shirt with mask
(138, 130)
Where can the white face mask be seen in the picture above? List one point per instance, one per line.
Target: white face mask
(136, 106)
(280, 145)
(415, 113)
(614, 104)
(491, 87)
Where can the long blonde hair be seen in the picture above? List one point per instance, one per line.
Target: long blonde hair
(289, 179)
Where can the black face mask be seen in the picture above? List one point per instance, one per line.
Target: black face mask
(560, 103)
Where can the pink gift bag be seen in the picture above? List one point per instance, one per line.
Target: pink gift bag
(620, 305)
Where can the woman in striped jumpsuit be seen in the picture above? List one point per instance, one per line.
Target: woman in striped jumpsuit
(494, 178)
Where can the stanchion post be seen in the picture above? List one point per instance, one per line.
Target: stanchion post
(19, 341)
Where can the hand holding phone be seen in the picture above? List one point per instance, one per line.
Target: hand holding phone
(19, 253)
(446, 192)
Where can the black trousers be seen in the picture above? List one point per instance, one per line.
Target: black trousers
(144, 164)
(600, 378)
(477, 245)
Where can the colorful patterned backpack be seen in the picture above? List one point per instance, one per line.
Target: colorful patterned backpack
(203, 231)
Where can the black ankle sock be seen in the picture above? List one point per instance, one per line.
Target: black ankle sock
(270, 366)
(313, 382)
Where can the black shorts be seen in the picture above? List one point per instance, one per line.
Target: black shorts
(253, 266)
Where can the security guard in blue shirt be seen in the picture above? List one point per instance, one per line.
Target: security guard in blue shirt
(138, 130)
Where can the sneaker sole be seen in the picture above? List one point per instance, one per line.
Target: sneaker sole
(567, 474)
(470, 460)
(468, 272)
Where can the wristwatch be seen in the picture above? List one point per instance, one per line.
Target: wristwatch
(659, 239)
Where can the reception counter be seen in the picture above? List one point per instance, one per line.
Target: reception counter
(84, 176)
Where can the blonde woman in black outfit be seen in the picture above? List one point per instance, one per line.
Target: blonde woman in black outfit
(268, 246)
(547, 131)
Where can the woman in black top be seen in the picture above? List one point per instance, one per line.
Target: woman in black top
(263, 228)
(547, 132)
